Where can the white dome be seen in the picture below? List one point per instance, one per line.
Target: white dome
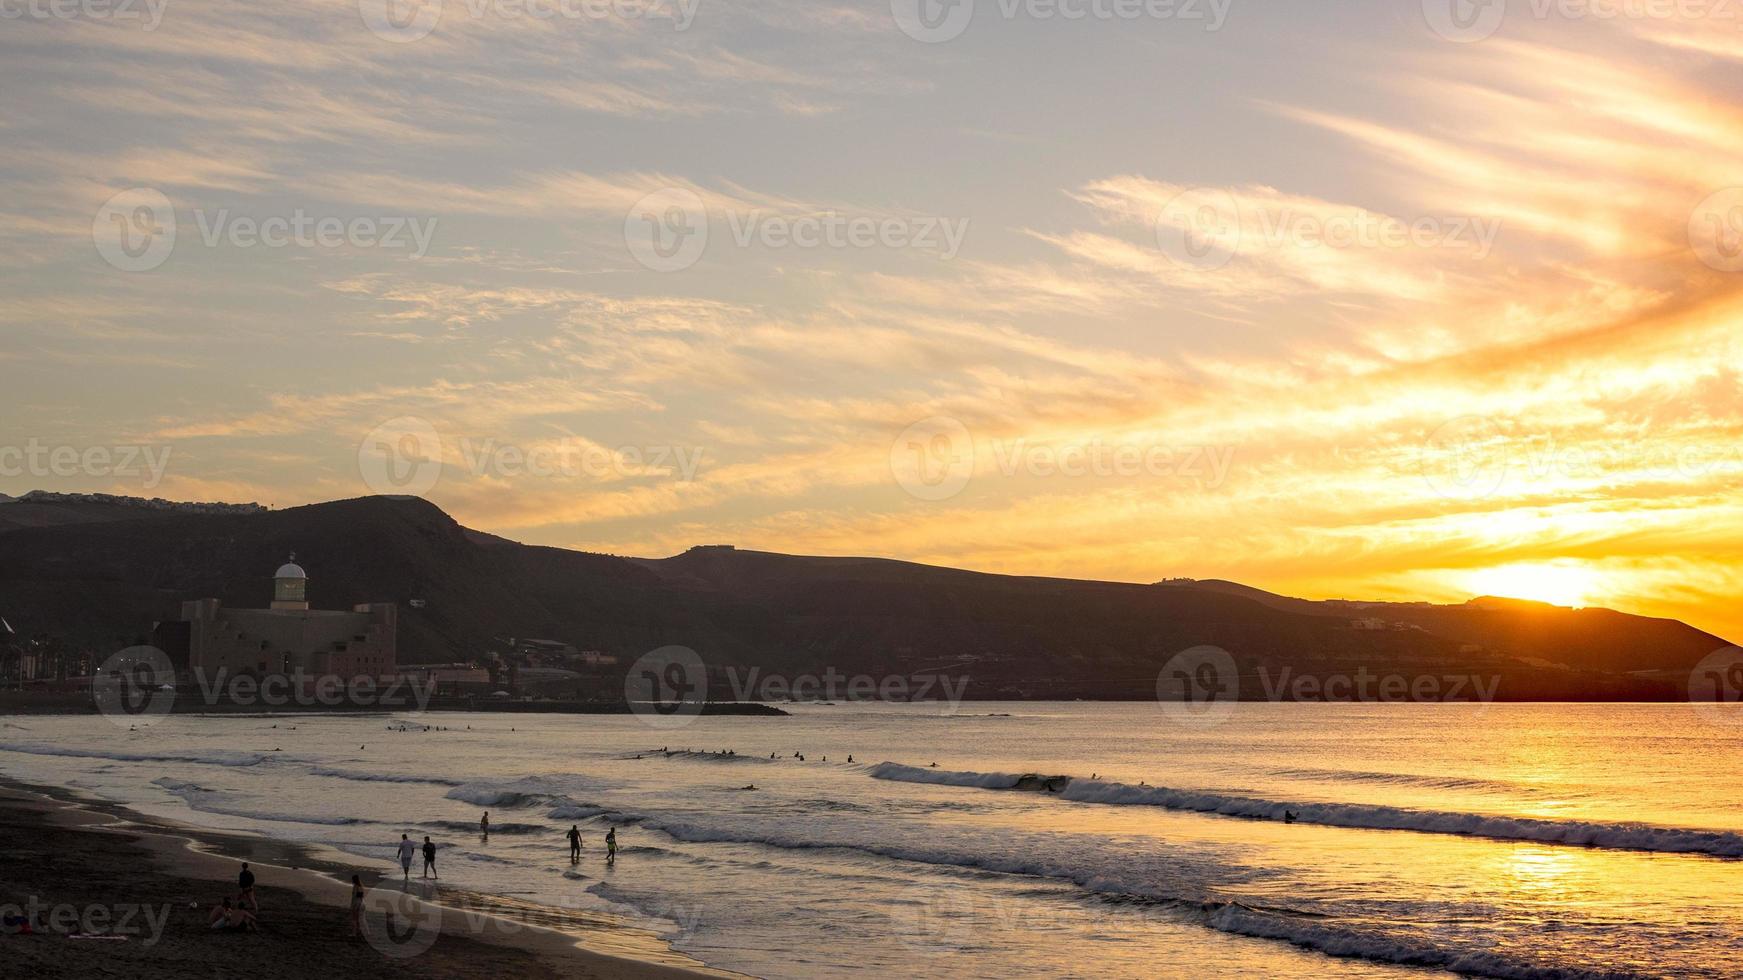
(290, 571)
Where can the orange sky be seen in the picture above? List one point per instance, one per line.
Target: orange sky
(1374, 314)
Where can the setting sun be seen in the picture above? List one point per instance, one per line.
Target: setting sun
(1558, 583)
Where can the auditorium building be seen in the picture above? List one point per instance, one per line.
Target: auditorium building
(289, 637)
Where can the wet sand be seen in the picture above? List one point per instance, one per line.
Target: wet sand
(94, 872)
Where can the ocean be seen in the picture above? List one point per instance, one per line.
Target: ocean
(1505, 840)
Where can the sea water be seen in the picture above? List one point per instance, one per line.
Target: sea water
(1551, 841)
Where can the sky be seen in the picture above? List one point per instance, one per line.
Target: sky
(1422, 299)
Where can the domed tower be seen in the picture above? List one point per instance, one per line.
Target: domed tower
(290, 586)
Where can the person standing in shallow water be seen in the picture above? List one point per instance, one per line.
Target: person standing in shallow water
(574, 843)
(430, 859)
(611, 846)
(484, 825)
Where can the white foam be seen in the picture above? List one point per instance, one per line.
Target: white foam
(1613, 836)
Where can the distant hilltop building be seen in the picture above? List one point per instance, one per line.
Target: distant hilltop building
(290, 637)
(145, 503)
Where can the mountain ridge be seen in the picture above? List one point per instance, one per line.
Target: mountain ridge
(101, 575)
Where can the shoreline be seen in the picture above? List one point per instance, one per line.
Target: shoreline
(88, 853)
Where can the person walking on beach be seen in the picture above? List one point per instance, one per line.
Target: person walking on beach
(356, 906)
(245, 888)
(574, 844)
(430, 858)
(406, 850)
(611, 846)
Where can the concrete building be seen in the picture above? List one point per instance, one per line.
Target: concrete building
(290, 637)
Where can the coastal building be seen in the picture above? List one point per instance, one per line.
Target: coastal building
(290, 637)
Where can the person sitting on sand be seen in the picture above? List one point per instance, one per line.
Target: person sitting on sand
(430, 858)
(229, 918)
(245, 888)
(356, 906)
(406, 850)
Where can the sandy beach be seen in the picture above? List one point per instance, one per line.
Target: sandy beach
(116, 895)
